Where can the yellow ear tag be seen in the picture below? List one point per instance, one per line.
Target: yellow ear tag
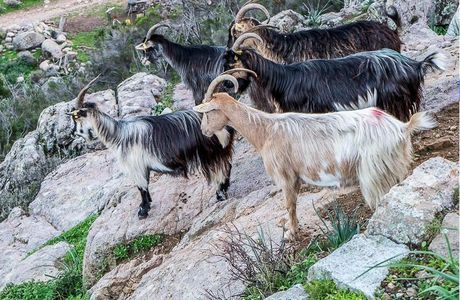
(239, 26)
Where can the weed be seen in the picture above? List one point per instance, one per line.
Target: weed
(139, 245)
(166, 98)
(327, 290)
(314, 12)
(33, 290)
(24, 4)
(342, 227)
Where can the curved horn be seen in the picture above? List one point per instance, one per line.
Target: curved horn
(81, 95)
(244, 37)
(212, 86)
(154, 28)
(251, 6)
(240, 70)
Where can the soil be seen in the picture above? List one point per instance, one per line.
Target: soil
(52, 10)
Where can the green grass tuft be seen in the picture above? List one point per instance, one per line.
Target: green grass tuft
(137, 246)
(327, 290)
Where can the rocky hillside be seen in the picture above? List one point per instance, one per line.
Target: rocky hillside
(84, 217)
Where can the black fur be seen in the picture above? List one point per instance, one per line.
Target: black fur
(318, 85)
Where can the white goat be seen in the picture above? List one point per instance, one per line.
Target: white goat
(367, 147)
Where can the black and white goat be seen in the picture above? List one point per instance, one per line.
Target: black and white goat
(168, 144)
(197, 65)
(367, 148)
(314, 43)
(332, 85)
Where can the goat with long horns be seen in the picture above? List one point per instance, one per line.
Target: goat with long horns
(314, 43)
(168, 144)
(366, 147)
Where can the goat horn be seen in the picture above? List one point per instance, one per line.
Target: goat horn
(83, 91)
(212, 86)
(244, 37)
(154, 28)
(240, 70)
(250, 6)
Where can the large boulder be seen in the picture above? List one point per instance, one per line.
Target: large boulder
(409, 207)
(137, 95)
(289, 21)
(28, 40)
(19, 235)
(79, 194)
(51, 48)
(346, 264)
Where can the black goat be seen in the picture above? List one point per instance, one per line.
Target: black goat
(167, 144)
(333, 85)
(315, 43)
(196, 65)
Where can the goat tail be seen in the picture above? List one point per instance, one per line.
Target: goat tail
(393, 14)
(421, 121)
(433, 61)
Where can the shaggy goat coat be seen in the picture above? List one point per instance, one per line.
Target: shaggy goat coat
(365, 147)
(288, 48)
(319, 86)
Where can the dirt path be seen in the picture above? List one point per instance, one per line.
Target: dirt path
(52, 10)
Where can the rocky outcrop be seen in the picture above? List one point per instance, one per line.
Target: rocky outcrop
(449, 231)
(409, 207)
(347, 265)
(289, 21)
(137, 94)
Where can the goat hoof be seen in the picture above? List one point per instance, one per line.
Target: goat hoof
(221, 196)
(142, 213)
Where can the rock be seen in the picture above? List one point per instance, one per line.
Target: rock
(441, 143)
(454, 26)
(56, 128)
(288, 21)
(444, 11)
(297, 292)
(44, 65)
(20, 79)
(84, 196)
(61, 38)
(19, 235)
(182, 97)
(347, 263)
(123, 280)
(438, 12)
(27, 40)
(27, 57)
(411, 292)
(10, 34)
(136, 95)
(23, 165)
(52, 48)
(43, 265)
(409, 207)
(8, 39)
(167, 110)
(449, 229)
(13, 28)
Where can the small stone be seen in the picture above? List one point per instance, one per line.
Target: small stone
(167, 110)
(437, 135)
(20, 79)
(10, 34)
(386, 296)
(440, 144)
(61, 38)
(391, 286)
(453, 128)
(399, 295)
(44, 65)
(411, 292)
(422, 274)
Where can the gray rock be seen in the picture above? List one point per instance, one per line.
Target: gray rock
(44, 65)
(27, 57)
(50, 47)
(409, 207)
(296, 292)
(449, 229)
(78, 192)
(137, 94)
(12, 3)
(43, 265)
(347, 263)
(61, 38)
(27, 40)
(288, 21)
(182, 97)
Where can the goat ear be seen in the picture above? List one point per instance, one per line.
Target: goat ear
(205, 107)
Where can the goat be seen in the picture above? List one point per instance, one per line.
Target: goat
(322, 85)
(366, 147)
(167, 144)
(196, 65)
(302, 45)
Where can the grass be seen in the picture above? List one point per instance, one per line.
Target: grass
(69, 283)
(123, 252)
(166, 98)
(327, 290)
(12, 67)
(84, 41)
(4, 9)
